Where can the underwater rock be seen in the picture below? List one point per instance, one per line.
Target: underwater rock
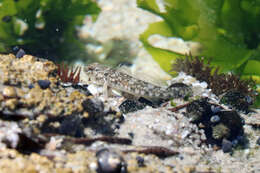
(10, 137)
(226, 146)
(140, 161)
(20, 53)
(217, 123)
(110, 162)
(232, 120)
(94, 106)
(198, 109)
(9, 92)
(72, 125)
(44, 84)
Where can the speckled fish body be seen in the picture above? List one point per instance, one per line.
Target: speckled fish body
(100, 75)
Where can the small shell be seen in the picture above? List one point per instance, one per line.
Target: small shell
(214, 119)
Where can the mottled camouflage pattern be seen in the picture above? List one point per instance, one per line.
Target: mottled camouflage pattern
(100, 75)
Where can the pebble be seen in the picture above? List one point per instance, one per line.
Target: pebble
(140, 161)
(131, 134)
(44, 84)
(10, 137)
(6, 19)
(9, 92)
(72, 125)
(94, 106)
(110, 162)
(93, 166)
(226, 146)
(20, 53)
(30, 86)
(11, 103)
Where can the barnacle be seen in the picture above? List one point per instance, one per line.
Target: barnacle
(220, 131)
(67, 74)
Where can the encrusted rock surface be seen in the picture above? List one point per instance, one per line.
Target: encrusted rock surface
(62, 128)
(48, 126)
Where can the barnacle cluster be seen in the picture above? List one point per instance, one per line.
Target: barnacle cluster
(217, 122)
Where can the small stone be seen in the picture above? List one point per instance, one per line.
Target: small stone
(9, 92)
(93, 106)
(258, 141)
(198, 110)
(9, 133)
(20, 53)
(93, 166)
(140, 161)
(131, 134)
(72, 126)
(44, 84)
(110, 162)
(226, 146)
(41, 118)
(30, 86)
(11, 103)
(6, 19)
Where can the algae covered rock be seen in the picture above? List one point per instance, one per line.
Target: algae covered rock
(218, 123)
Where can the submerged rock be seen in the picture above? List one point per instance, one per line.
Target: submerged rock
(226, 146)
(110, 162)
(44, 84)
(217, 123)
(199, 110)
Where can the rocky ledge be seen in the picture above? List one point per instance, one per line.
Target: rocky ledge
(47, 125)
